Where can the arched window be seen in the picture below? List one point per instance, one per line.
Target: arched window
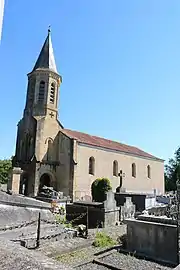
(50, 150)
(148, 171)
(133, 170)
(91, 165)
(52, 93)
(41, 92)
(115, 168)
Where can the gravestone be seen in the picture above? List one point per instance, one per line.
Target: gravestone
(111, 210)
(128, 209)
(110, 202)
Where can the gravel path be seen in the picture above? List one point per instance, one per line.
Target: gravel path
(129, 262)
(54, 249)
(15, 257)
(91, 266)
(78, 256)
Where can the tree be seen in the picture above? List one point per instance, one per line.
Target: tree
(5, 166)
(99, 188)
(172, 171)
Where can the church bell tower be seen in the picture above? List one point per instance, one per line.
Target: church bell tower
(39, 127)
(43, 84)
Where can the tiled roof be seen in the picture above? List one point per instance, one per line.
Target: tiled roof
(105, 143)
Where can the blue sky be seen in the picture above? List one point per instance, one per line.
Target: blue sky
(120, 63)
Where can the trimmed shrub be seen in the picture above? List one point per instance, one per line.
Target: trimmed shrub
(99, 188)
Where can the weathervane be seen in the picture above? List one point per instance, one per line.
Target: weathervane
(49, 28)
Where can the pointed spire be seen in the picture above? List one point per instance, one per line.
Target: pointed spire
(46, 57)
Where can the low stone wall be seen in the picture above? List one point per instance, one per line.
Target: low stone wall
(156, 240)
(13, 215)
(21, 200)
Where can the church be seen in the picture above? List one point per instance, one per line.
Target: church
(69, 161)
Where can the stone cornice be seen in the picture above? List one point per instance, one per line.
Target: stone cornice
(48, 72)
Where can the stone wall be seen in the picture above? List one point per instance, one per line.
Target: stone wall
(63, 172)
(13, 215)
(15, 210)
(19, 199)
(104, 167)
(156, 240)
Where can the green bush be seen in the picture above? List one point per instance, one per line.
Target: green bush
(5, 167)
(99, 188)
(103, 240)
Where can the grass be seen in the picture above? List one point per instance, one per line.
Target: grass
(103, 240)
(77, 255)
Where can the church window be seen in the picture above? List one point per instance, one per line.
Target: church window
(52, 93)
(49, 150)
(115, 168)
(148, 171)
(91, 165)
(133, 170)
(41, 92)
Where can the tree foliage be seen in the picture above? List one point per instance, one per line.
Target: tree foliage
(172, 171)
(99, 188)
(5, 166)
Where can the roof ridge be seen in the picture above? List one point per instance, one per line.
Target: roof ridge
(107, 143)
(99, 137)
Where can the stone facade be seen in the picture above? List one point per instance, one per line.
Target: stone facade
(104, 168)
(50, 155)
